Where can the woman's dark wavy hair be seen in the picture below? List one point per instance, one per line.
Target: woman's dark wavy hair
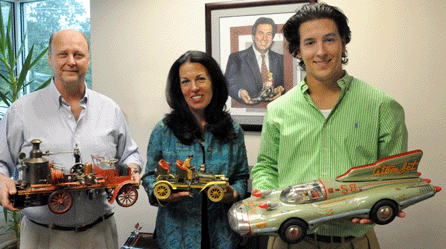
(181, 120)
(311, 12)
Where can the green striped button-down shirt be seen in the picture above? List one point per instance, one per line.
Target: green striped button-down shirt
(298, 144)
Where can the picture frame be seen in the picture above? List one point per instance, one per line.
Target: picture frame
(229, 30)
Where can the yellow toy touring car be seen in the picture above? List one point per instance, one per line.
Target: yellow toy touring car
(185, 180)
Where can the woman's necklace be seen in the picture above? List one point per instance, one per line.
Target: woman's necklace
(201, 141)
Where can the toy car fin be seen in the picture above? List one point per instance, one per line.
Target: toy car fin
(404, 165)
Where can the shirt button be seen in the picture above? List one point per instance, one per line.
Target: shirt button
(69, 116)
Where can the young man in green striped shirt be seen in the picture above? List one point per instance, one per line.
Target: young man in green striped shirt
(327, 124)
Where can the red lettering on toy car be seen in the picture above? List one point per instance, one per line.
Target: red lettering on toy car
(408, 167)
(261, 224)
(393, 169)
(344, 189)
(353, 188)
(385, 170)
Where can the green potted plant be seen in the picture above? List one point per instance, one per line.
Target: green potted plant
(12, 224)
(12, 79)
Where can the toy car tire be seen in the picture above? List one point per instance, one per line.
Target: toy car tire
(215, 193)
(162, 191)
(127, 196)
(293, 230)
(60, 202)
(383, 212)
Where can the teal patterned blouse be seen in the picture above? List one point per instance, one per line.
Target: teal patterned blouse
(178, 224)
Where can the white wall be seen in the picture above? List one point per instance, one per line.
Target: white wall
(397, 46)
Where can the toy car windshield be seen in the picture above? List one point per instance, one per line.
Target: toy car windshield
(102, 163)
(303, 193)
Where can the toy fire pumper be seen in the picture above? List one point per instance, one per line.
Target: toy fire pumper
(41, 183)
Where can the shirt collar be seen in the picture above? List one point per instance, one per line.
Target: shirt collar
(57, 97)
(258, 54)
(344, 83)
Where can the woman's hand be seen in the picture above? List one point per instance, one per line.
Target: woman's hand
(174, 197)
(229, 196)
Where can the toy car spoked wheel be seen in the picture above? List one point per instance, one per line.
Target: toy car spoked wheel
(162, 191)
(215, 193)
(293, 231)
(60, 201)
(383, 212)
(127, 196)
(77, 168)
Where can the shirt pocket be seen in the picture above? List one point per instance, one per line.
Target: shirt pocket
(104, 144)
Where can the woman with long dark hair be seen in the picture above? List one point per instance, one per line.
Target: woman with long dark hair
(197, 125)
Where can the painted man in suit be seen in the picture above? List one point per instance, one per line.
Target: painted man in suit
(244, 68)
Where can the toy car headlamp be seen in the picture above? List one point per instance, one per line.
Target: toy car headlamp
(238, 218)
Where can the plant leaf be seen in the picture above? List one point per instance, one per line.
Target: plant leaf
(8, 80)
(45, 84)
(27, 83)
(2, 32)
(25, 69)
(19, 52)
(5, 99)
(8, 44)
(38, 57)
(5, 213)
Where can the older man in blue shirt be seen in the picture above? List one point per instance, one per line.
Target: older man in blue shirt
(64, 115)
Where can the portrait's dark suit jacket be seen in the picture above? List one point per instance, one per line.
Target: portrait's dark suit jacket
(243, 72)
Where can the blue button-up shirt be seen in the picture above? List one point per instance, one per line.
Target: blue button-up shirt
(100, 130)
(178, 225)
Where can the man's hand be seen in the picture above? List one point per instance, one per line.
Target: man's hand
(277, 93)
(401, 214)
(245, 96)
(135, 171)
(7, 186)
(229, 196)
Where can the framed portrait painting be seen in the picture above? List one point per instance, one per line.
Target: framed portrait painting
(246, 38)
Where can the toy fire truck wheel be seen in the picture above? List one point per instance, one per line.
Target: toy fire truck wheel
(162, 191)
(60, 202)
(127, 196)
(78, 168)
(215, 193)
(383, 212)
(293, 231)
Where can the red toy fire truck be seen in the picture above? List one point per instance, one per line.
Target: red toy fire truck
(41, 183)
